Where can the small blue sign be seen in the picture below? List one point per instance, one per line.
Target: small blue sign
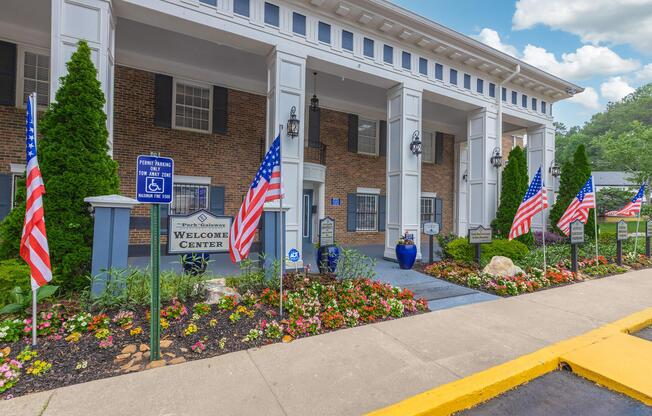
(336, 202)
(154, 179)
(293, 255)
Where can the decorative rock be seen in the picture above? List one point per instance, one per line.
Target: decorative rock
(502, 266)
(129, 349)
(134, 368)
(156, 364)
(169, 354)
(184, 349)
(122, 357)
(166, 343)
(129, 364)
(138, 357)
(146, 355)
(143, 348)
(216, 289)
(177, 360)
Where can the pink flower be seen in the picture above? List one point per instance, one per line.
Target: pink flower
(8, 374)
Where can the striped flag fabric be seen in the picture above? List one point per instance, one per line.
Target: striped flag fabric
(265, 187)
(632, 208)
(534, 201)
(34, 243)
(579, 207)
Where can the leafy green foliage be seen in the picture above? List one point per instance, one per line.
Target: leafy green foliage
(21, 300)
(352, 264)
(75, 164)
(514, 186)
(610, 199)
(514, 249)
(460, 250)
(254, 277)
(13, 272)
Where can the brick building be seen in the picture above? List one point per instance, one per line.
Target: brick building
(208, 82)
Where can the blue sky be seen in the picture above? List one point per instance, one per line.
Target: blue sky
(602, 45)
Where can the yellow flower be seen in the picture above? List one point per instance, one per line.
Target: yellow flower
(191, 329)
(136, 331)
(74, 337)
(212, 323)
(164, 323)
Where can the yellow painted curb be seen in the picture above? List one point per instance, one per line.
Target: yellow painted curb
(480, 387)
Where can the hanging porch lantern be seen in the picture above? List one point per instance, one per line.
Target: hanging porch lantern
(555, 170)
(293, 123)
(416, 144)
(496, 159)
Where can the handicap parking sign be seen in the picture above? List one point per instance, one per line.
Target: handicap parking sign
(154, 179)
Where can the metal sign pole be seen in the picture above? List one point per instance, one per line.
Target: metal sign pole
(282, 229)
(34, 291)
(432, 249)
(155, 304)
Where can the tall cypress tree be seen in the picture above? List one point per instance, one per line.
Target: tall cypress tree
(74, 162)
(583, 171)
(514, 186)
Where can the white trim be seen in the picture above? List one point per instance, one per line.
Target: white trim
(20, 72)
(184, 81)
(370, 191)
(192, 180)
(428, 194)
(17, 168)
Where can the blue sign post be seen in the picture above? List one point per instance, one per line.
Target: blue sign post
(154, 185)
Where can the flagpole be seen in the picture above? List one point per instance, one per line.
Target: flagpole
(32, 97)
(281, 228)
(638, 221)
(595, 218)
(543, 229)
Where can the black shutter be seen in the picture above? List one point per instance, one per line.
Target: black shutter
(163, 101)
(314, 120)
(351, 215)
(5, 194)
(439, 148)
(7, 73)
(382, 135)
(438, 213)
(220, 110)
(217, 200)
(353, 133)
(382, 201)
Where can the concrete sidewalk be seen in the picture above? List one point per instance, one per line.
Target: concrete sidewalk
(353, 371)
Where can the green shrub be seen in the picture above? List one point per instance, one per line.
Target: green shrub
(515, 250)
(254, 277)
(13, 273)
(460, 250)
(514, 186)
(444, 240)
(352, 264)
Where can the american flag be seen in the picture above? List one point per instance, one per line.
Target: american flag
(534, 201)
(633, 207)
(34, 243)
(579, 207)
(265, 187)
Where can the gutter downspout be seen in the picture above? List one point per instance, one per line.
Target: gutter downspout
(499, 126)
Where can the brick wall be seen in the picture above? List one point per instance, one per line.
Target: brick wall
(12, 137)
(439, 178)
(231, 161)
(508, 144)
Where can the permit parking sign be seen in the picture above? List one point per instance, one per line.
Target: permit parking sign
(154, 179)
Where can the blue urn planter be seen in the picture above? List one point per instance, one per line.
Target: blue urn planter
(406, 255)
(327, 258)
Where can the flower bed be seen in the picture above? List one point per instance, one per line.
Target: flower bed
(77, 346)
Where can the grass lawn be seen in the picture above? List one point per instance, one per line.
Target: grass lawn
(610, 227)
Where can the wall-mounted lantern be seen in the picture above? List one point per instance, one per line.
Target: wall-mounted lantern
(415, 144)
(554, 170)
(496, 159)
(293, 123)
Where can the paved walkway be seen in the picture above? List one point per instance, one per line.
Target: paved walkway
(356, 370)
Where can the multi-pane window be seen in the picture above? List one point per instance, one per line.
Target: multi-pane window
(192, 106)
(299, 24)
(504, 94)
(388, 54)
(428, 147)
(187, 198)
(36, 76)
(347, 40)
(479, 86)
(423, 66)
(15, 179)
(524, 101)
(406, 60)
(368, 47)
(367, 135)
(241, 7)
(366, 212)
(324, 32)
(492, 89)
(427, 209)
(543, 107)
(439, 72)
(534, 104)
(453, 76)
(467, 81)
(514, 97)
(209, 2)
(271, 14)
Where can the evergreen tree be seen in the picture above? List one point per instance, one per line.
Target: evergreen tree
(514, 186)
(74, 162)
(583, 171)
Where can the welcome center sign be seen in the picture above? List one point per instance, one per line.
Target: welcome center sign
(200, 232)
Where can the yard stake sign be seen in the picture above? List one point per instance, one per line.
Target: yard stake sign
(478, 236)
(154, 184)
(576, 238)
(621, 235)
(648, 235)
(431, 229)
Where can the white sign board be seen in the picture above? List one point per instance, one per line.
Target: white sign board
(479, 235)
(431, 228)
(200, 232)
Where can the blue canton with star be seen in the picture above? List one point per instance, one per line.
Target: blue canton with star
(272, 159)
(535, 186)
(586, 189)
(639, 194)
(30, 142)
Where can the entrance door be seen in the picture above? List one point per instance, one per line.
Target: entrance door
(462, 190)
(306, 220)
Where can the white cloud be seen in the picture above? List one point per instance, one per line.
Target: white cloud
(492, 38)
(615, 88)
(595, 21)
(645, 74)
(587, 61)
(588, 99)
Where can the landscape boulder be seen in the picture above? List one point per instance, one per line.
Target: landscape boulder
(502, 267)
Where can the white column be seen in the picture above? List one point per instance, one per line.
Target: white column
(482, 176)
(92, 21)
(286, 80)
(541, 153)
(403, 167)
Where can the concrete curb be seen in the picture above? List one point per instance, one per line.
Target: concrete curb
(482, 386)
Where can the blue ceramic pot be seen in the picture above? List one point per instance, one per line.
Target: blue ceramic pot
(406, 255)
(327, 258)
